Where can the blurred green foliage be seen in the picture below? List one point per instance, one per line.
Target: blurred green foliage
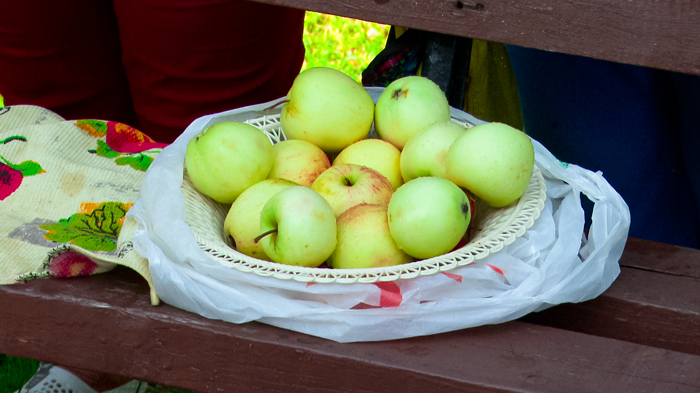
(15, 372)
(348, 45)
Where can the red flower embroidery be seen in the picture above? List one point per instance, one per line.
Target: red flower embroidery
(10, 179)
(126, 139)
(71, 264)
(11, 174)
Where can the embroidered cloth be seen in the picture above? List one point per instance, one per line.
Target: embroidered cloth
(65, 188)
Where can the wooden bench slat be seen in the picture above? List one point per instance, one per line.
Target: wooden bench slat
(661, 257)
(653, 33)
(655, 301)
(636, 308)
(106, 322)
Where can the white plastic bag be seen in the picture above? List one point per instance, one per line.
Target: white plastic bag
(551, 263)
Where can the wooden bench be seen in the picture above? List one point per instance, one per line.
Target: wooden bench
(642, 335)
(653, 33)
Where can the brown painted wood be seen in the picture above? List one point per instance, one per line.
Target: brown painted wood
(643, 307)
(654, 33)
(655, 301)
(106, 323)
(661, 257)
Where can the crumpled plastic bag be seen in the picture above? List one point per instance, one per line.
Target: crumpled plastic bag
(552, 263)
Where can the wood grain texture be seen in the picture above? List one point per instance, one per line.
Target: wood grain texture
(661, 257)
(105, 322)
(655, 301)
(661, 34)
(642, 307)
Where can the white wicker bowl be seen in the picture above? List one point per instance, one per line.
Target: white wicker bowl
(492, 229)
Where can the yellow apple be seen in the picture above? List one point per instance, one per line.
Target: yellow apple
(347, 185)
(364, 240)
(299, 161)
(375, 154)
(428, 216)
(425, 154)
(243, 219)
(327, 108)
(226, 158)
(408, 105)
(298, 227)
(494, 161)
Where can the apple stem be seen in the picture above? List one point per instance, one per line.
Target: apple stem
(275, 105)
(257, 239)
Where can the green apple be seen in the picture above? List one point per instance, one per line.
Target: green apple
(327, 108)
(297, 227)
(494, 161)
(428, 216)
(425, 154)
(347, 185)
(408, 105)
(376, 154)
(226, 158)
(243, 219)
(299, 161)
(364, 240)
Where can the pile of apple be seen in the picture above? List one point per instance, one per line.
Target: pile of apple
(382, 202)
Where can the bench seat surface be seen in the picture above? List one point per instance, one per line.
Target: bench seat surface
(639, 336)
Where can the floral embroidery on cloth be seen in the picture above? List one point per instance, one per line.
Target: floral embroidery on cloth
(71, 219)
(95, 227)
(70, 264)
(11, 175)
(123, 143)
(63, 262)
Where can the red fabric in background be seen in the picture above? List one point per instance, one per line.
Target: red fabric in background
(64, 56)
(153, 64)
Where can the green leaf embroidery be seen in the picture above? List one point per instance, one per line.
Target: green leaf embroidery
(12, 138)
(100, 127)
(97, 231)
(140, 162)
(28, 168)
(103, 150)
(25, 168)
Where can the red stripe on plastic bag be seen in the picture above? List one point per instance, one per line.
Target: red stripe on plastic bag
(496, 269)
(390, 294)
(455, 277)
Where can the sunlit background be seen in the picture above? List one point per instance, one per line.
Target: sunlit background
(348, 45)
